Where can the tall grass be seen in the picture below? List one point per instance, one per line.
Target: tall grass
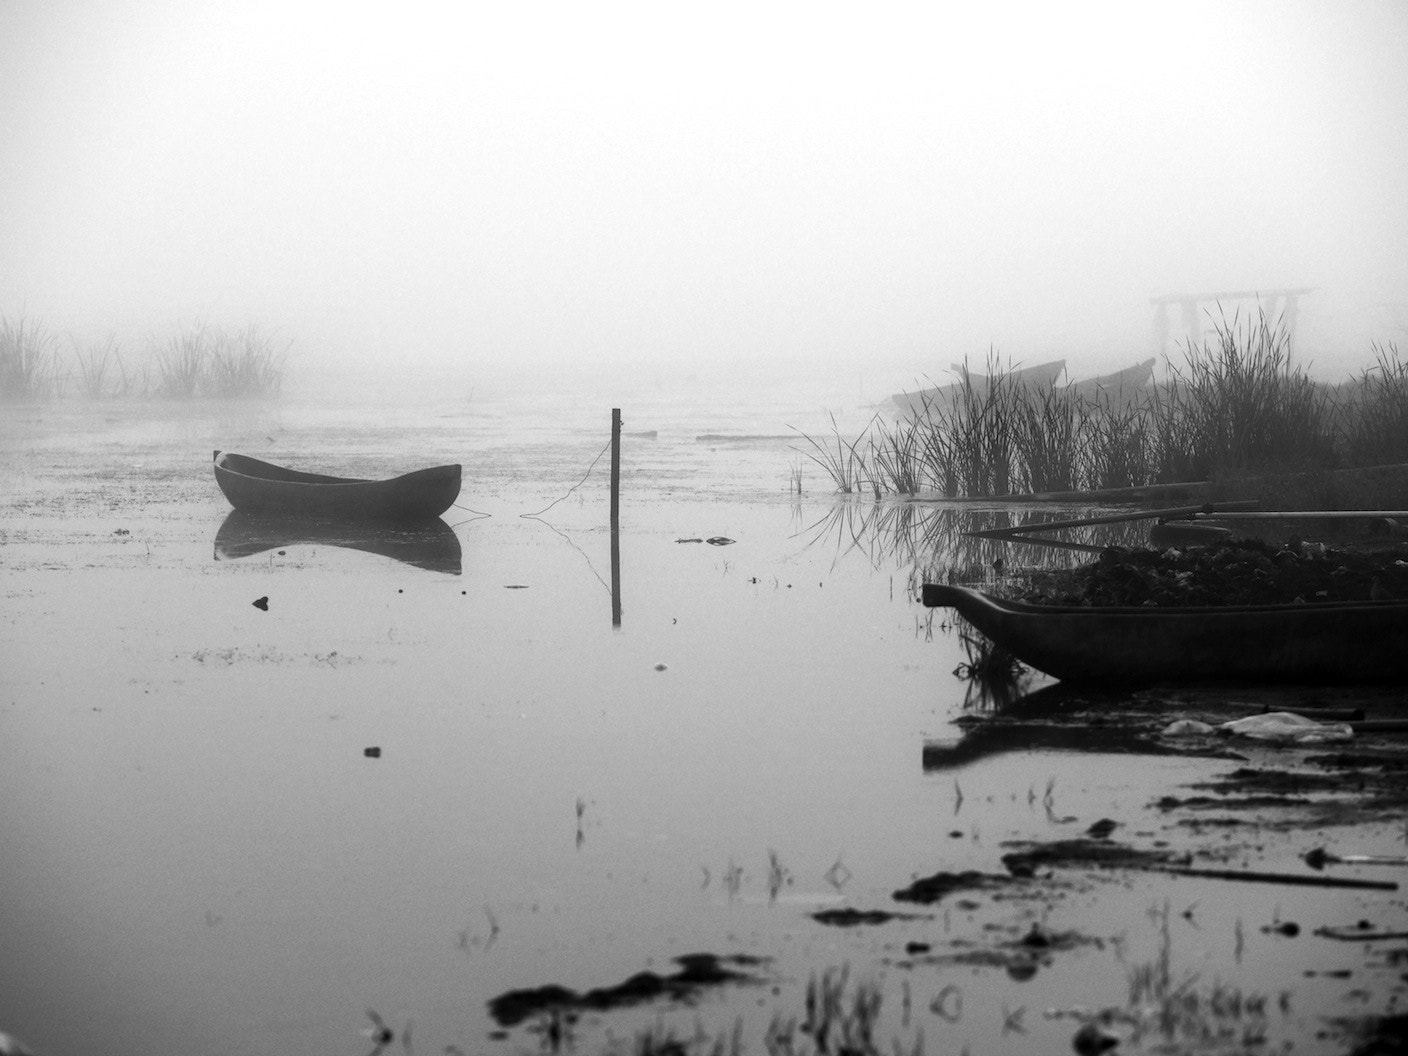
(246, 363)
(1235, 404)
(1240, 405)
(193, 361)
(97, 363)
(1374, 411)
(28, 361)
(183, 359)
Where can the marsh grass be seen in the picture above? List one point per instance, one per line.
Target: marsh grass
(839, 1020)
(182, 360)
(97, 363)
(193, 361)
(843, 460)
(1374, 411)
(1173, 1006)
(1235, 404)
(246, 363)
(29, 367)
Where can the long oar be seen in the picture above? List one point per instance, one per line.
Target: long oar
(1171, 513)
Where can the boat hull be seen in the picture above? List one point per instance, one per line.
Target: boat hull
(257, 487)
(1342, 643)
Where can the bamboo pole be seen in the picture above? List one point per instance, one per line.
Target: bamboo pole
(1328, 515)
(1170, 513)
(1298, 879)
(1137, 493)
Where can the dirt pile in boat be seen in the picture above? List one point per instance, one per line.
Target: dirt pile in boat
(1240, 572)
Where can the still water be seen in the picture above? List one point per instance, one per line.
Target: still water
(200, 855)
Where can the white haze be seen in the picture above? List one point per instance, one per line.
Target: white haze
(519, 191)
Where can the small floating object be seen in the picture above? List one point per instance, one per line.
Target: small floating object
(374, 752)
(1093, 1038)
(262, 603)
(1319, 858)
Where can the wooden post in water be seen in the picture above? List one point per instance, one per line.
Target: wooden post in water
(615, 516)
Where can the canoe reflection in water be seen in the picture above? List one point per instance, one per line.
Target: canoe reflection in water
(429, 544)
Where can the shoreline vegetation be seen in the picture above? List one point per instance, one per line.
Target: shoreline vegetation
(191, 362)
(1233, 407)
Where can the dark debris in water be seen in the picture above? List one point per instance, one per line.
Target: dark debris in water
(1240, 572)
(1030, 857)
(931, 889)
(849, 917)
(696, 972)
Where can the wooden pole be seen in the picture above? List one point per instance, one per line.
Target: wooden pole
(615, 516)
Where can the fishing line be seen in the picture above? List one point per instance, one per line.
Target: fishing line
(574, 487)
(568, 540)
(478, 514)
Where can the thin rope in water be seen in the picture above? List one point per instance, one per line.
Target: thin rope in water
(574, 487)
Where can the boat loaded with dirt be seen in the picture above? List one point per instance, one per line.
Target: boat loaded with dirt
(1327, 642)
(253, 486)
(1240, 610)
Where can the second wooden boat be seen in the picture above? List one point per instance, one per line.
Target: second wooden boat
(1337, 642)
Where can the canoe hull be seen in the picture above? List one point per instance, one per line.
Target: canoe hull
(1341, 643)
(257, 487)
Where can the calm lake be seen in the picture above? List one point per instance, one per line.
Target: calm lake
(200, 856)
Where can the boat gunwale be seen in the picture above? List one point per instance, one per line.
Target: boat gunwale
(1024, 608)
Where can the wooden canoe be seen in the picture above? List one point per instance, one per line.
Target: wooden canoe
(1335, 642)
(259, 487)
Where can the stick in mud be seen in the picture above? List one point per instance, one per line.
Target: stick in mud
(1253, 876)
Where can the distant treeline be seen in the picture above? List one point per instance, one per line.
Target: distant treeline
(193, 361)
(1232, 405)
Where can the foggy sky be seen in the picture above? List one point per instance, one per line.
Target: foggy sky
(882, 188)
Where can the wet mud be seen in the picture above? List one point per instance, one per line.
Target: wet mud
(697, 972)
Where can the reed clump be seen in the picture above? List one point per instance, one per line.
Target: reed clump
(1234, 405)
(193, 361)
(29, 368)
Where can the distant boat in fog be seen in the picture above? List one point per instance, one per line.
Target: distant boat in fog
(1120, 385)
(1040, 376)
(1127, 382)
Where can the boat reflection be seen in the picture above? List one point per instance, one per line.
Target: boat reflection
(431, 545)
(1050, 719)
